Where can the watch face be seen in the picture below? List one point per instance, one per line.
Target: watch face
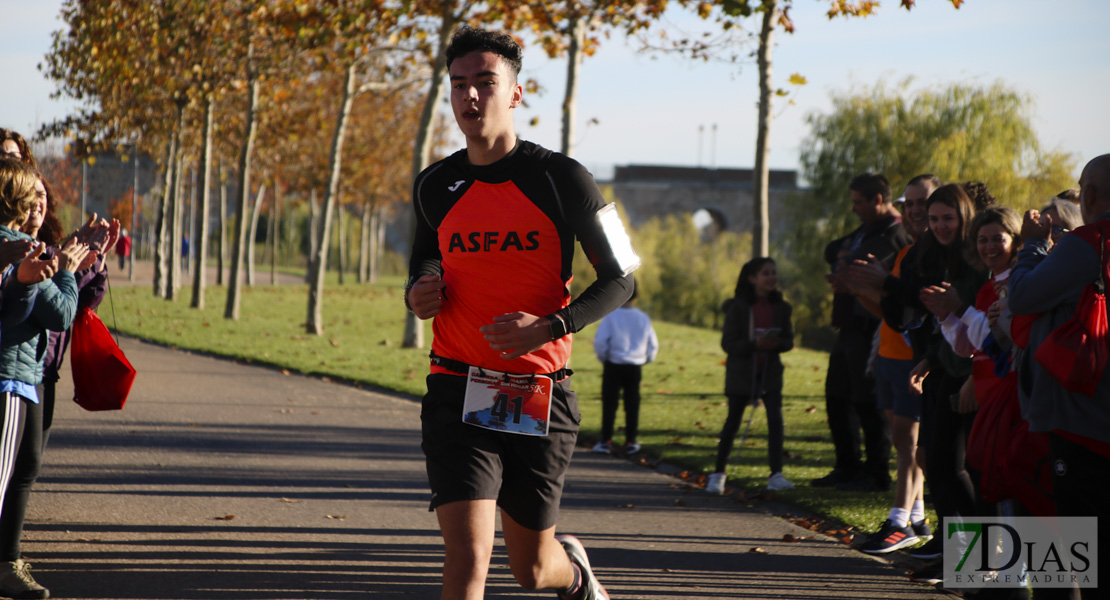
(558, 328)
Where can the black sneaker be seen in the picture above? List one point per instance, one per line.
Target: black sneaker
(931, 574)
(889, 538)
(933, 549)
(922, 531)
(832, 479)
(16, 582)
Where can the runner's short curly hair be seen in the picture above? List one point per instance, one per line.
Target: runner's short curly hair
(467, 39)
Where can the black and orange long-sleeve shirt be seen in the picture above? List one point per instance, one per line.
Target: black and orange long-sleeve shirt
(502, 237)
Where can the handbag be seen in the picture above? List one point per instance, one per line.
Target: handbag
(1076, 352)
(102, 375)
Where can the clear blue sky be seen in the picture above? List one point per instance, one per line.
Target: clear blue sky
(649, 108)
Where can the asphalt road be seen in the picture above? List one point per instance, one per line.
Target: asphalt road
(226, 481)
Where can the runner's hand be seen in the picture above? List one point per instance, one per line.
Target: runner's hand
(426, 296)
(516, 334)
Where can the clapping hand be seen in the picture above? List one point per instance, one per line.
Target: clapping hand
(75, 256)
(34, 269)
(941, 300)
(13, 251)
(868, 273)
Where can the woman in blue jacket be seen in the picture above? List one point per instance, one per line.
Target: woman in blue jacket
(23, 352)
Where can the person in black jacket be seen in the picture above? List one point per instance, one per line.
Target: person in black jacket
(757, 329)
(849, 389)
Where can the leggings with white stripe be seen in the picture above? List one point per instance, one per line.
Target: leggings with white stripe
(10, 434)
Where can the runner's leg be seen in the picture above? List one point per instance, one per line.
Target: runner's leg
(468, 529)
(537, 559)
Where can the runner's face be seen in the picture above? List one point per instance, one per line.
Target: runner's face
(944, 222)
(996, 247)
(766, 280)
(483, 96)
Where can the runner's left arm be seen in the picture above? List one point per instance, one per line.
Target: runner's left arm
(581, 200)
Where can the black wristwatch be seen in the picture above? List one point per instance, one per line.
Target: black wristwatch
(408, 286)
(557, 326)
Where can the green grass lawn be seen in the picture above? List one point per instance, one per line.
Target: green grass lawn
(683, 402)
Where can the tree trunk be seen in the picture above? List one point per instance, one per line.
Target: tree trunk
(176, 230)
(761, 175)
(342, 225)
(162, 225)
(222, 257)
(201, 231)
(315, 322)
(570, 99)
(275, 231)
(378, 249)
(233, 284)
(256, 210)
(422, 152)
(134, 214)
(313, 234)
(364, 245)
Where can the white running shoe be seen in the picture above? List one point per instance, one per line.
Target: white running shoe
(716, 483)
(778, 483)
(591, 588)
(601, 448)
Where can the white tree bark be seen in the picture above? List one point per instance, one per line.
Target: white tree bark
(200, 272)
(315, 321)
(761, 175)
(233, 285)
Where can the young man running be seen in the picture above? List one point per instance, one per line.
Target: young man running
(491, 261)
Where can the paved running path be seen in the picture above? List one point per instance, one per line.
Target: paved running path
(223, 481)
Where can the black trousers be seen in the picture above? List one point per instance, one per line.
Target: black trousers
(28, 462)
(851, 405)
(736, 405)
(1081, 487)
(614, 379)
(951, 486)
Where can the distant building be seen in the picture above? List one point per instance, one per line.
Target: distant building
(109, 178)
(647, 191)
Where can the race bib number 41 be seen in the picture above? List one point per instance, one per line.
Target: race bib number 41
(518, 404)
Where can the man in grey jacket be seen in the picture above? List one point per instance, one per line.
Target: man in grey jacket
(1078, 425)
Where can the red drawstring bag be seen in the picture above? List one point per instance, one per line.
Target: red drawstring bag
(1013, 461)
(1076, 352)
(102, 375)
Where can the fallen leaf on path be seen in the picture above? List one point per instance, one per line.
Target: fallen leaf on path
(790, 539)
(757, 550)
(337, 517)
(290, 500)
(225, 518)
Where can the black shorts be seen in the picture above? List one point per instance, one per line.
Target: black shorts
(523, 473)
